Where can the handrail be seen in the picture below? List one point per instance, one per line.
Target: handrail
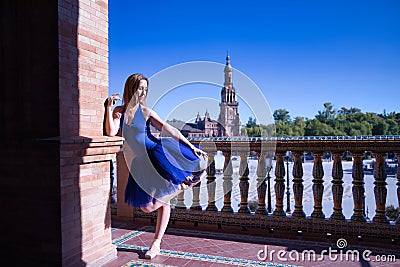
(358, 225)
(283, 138)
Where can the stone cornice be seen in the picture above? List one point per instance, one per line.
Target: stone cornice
(80, 149)
(310, 143)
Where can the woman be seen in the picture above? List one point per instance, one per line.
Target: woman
(159, 168)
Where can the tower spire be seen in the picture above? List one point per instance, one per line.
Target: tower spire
(228, 72)
(207, 115)
(228, 115)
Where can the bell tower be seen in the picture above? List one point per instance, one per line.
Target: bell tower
(228, 114)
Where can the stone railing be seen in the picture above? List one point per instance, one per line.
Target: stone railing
(276, 219)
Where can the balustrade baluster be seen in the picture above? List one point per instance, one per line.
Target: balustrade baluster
(398, 185)
(337, 186)
(196, 197)
(211, 182)
(358, 188)
(261, 186)
(318, 186)
(181, 201)
(279, 185)
(227, 183)
(298, 186)
(380, 190)
(244, 184)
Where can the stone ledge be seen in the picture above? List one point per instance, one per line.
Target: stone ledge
(282, 223)
(82, 139)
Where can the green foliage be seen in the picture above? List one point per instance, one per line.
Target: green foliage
(316, 128)
(329, 121)
(253, 129)
(251, 123)
(281, 115)
(326, 115)
(393, 127)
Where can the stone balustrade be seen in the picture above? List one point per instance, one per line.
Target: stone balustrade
(267, 217)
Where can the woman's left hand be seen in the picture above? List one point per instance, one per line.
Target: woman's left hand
(198, 152)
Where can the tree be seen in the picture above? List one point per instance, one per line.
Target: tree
(380, 127)
(393, 127)
(283, 129)
(251, 122)
(343, 111)
(268, 130)
(327, 114)
(354, 110)
(346, 121)
(298, 127)
(253, 129)
(316, 128)
(281, 115)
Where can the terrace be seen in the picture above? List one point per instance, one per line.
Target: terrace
(213, 227)
(56, 167)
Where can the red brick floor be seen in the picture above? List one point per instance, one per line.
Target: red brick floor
(204, 248)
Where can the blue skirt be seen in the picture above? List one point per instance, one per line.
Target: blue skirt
(171, 160)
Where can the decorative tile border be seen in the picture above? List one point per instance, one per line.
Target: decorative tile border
(204, 257)
(118, 241)
(264, 240)
(134, 263)
(184, 255)
(236, 237)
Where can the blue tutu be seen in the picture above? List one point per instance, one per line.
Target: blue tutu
(157, 166)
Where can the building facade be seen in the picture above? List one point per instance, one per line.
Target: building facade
(229, 114)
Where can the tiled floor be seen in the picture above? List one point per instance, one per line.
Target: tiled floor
(200, 248)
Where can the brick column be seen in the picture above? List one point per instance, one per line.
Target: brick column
(54, 80)
(85, 152)
(85, 199)
(83, 66)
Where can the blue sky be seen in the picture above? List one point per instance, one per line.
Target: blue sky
(301, 54)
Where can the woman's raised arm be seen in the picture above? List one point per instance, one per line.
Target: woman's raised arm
(173, 132)
(113, 116)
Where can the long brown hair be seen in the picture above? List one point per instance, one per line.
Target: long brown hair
(130, 98)
(132, 85)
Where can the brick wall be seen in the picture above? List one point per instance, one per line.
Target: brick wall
(85, 155)
(83, 46)
(85, 197)
(56, 178)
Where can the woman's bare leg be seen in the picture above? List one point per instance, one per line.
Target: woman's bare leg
(164, 212)
(163, 216)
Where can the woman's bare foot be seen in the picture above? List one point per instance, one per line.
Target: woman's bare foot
(183, 186)
(154, 250)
